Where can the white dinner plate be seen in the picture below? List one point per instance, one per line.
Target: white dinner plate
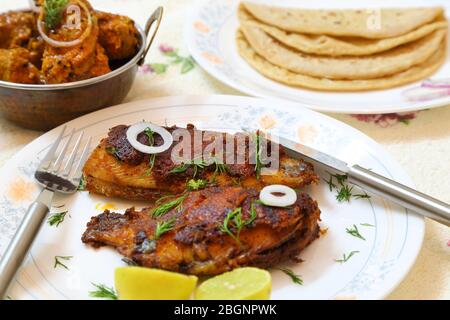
(392, 241)
(210, 35)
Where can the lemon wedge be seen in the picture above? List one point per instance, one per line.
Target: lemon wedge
(137, 283)
(239, 284)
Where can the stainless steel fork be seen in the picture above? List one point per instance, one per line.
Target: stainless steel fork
(55, 175)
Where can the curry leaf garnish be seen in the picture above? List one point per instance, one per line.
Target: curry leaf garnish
(295, 277)
(198, 184)
(345, 257)
(59, 263)
(354, 232)
(163, 227)
(104, 292)
(164, 208)
(54, 12)
(57, 218)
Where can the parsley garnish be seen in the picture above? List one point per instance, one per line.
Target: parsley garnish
(295, 278)
(163, 209)
(59, 263)
(57, 218)
(103, 292)
(345, 257)
(54, 12)
(355, 232)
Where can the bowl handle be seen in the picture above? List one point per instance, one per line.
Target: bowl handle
(155, 17)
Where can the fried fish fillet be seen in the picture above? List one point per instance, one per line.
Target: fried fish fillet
(197, 242)
(116, 169)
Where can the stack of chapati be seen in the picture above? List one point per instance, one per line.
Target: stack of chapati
(340, 50)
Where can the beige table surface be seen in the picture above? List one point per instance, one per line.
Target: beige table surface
(421, 145)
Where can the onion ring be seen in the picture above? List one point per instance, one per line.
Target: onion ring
(56, 43)
(134, 130)
(34, 7)
(268, 197)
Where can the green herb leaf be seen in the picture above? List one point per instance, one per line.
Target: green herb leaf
(188, 65)
(195, 164)
(163, 227)
(59, 263)
(361, 196)
(198, 184)
(355, 232)
(366, 225)
(149, 133)
(82, 184)
(234, 219)
(345, 257)
(344, 194)
(151, 164)
(253, 213)
(54, 10)
(57, 218)
(225, 227)
(258, 163)
(159, 68)
(104, 292)
(163, 209)
(295, 278)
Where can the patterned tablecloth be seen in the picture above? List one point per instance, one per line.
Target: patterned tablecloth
(420, 141)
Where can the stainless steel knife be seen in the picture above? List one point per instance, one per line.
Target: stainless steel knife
(372, 182)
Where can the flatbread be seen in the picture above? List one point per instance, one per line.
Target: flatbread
(278, 74)
(365, 23)
(334, 46)
(346, 67)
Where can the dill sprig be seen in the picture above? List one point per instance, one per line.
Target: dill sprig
(59, 263)
(54, 12)
(354, 232)
(57, 218)
(150, 135)
(258, 163)
(104, 292)
(195, 164)
(82, 184)
(234, 219)
(345, 257)
(344, 191)
(295, 277)
(366, 225)
(163, 227)
(198, 184)
(220, 168)
(164, 208)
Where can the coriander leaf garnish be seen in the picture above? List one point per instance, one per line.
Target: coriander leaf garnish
(366, 225)
(59, 263)
(54, 12)
(345, 257)
(104, 292)
(82, 184)
(355, 232)
(164, 208)
(198, 184)
(295, 277)
(57, 218)
(163, 227)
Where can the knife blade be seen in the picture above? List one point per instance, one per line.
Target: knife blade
(371, 182)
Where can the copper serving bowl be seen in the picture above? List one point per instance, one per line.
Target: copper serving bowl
(43, 107)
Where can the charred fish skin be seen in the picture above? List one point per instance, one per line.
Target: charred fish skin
(198, 243)
(116, 169)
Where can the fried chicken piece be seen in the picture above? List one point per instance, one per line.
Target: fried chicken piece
(198, 244)
(16, 66)
(68, 64)
(16, 29)
(116, 169)
(118, 35)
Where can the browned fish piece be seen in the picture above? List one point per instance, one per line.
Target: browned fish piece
(116, 169)
(198, 244)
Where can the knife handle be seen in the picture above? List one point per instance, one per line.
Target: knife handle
(400, 194)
